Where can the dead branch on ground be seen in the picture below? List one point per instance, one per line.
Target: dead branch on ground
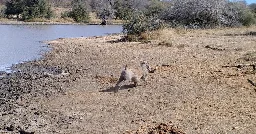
(241, 65)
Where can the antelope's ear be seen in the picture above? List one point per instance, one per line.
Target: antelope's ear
(125, 67)
(143, 62)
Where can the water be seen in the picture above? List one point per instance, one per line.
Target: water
(19, 43)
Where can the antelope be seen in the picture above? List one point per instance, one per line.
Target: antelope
(133, 75)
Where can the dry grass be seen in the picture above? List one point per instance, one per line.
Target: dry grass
(59, 11)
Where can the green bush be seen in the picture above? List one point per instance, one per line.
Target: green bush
(123, 10)
(253, 7)
(189, 14)
(155, 7)
(79, 12)
(36, 9)
(140, 23)
(248, 18)
(29, 9)
(207, 14)
(14, 7)
(143, 21)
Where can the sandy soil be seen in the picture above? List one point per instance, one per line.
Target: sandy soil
(204, 84)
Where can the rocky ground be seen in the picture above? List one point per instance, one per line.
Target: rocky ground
(204, 83)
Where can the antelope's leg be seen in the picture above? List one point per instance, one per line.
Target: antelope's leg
(119, 83)
(135, 80)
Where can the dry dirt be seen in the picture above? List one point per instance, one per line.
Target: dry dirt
(204, 84)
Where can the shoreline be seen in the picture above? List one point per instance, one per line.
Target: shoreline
(8, 69)
(15, 22)
(69, 90)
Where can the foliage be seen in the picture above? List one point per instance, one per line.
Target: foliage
(253, 7)
(139, 23)
(29, 9)
(2, 11)
(144, 15)
(79, 12)
(155, 7)
(123, 9)
(117, 9)
(201, 13)
(189, 14)
(14, 7)
(104, 8)
(248, 18)
(205, 13)
(237, 14)
(36, 9)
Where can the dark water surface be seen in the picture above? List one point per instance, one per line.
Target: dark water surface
(19, 43)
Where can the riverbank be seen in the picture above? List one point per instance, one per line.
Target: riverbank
(57, 22)
(201, 85)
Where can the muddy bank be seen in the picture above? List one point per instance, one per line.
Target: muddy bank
(198, 86)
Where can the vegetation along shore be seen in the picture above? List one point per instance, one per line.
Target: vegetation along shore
(201, 57)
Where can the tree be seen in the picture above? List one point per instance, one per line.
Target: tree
(253, 7)
(103, 8)
(14, 7)
(79, 12)
(204, 13)
(2, 11)
(36, 9)
(155, 7)
(123, 9)
(29, 9)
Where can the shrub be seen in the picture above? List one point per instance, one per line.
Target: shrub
(248, 18)
(14, 7)
(123, 10)
(253, 7)
(139, 23)
(188, 14)
(37, 9)
(2, 11)
(29, 9)
(79, 12)
(194, 13)
(155, 7)
(204, 13)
